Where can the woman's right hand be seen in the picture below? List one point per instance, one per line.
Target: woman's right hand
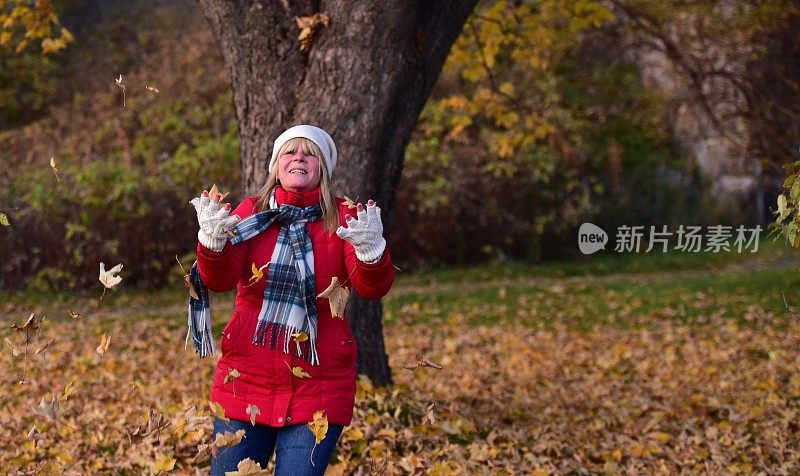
(214, 220)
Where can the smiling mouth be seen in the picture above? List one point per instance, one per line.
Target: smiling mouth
(298, 171)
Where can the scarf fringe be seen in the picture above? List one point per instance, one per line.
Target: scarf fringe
(200, 333)
(272, 334)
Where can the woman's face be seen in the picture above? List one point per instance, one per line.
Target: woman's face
(298, 171)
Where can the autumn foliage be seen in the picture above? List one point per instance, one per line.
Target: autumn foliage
(89, 393)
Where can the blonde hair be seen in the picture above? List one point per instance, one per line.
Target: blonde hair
(330, 212)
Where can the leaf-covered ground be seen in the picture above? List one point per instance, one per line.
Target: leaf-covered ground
(690, 377)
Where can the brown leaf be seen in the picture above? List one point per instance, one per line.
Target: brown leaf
(224, 440)
(73, 314)
(105, 341)
(253, 411)
(248, 467)
(44, 347)
(50, 410)
(429, 415)
(232, 375)
(422, 362)
(308, 28)
(337, 296)
(349, 202)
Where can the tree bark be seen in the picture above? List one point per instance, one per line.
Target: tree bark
(365, 81)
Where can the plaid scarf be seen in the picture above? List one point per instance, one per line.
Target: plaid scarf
(289, 303)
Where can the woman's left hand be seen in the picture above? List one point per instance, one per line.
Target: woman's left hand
(365, 233)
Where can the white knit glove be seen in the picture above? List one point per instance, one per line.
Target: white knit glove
(214, 221)
(365, 233)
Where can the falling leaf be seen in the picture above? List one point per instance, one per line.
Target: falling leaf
(122, 87)
(253, 411)
(300, 336)
(248, 467)
(223, 440)
(429, 414)
(337, 297)
(298, 371)
(31, 325)
(53, 166)
(218, 411)
(44, 347)
(15, 351)
(308, 28)
(258, 273)
(105, 341)
(188, 422)
(109, 278)
(152, 88)
(214, 191)
(232, 374)
(68, 391)
(422, 362)
(49, 410)
(349, 202)
(73, 314)
(319, 427)
(4, 220)
(187, 281)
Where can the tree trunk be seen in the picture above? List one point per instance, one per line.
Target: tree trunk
(365, 81)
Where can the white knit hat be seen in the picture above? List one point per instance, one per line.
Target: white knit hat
(315, 135)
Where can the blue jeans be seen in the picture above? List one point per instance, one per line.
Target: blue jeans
(292, 446)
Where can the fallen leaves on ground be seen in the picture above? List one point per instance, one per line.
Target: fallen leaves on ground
(661, 397)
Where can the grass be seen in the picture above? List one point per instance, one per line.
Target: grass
(606, 289)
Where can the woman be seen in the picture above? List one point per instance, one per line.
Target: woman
(284, 355)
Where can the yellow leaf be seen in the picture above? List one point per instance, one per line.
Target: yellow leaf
(337, 297)
(783, 209)
(258, 273)
(352, 434)
(299, 372)
(4, 220)
(248, 467)
(218, 411)
(319, 427)
(253, 411)
(164, 463)
(300, 336)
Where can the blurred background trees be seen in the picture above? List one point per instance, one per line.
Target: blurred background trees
(547, 114)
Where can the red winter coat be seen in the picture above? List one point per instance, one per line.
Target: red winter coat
(266, 379)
